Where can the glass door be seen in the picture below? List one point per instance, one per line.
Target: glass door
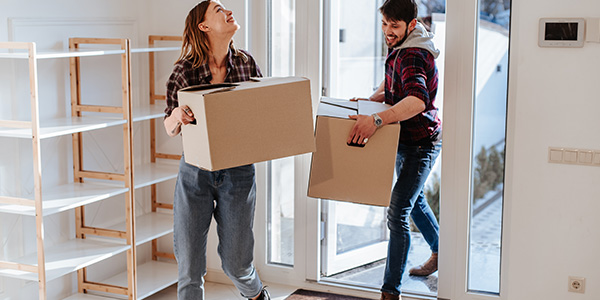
(354, 237)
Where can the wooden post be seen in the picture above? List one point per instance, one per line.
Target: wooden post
(37, 171)
(128, 163)
(153, 153)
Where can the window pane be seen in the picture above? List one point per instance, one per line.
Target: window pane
(281, 171)
(488, 146)
(359, 226)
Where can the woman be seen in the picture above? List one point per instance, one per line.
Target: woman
(209, 56)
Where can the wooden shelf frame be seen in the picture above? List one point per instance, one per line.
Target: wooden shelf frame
(152, 40)
(79, 173)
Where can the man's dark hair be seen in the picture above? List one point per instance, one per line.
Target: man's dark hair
(399, 10)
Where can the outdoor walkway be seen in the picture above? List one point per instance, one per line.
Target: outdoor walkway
(484, 263)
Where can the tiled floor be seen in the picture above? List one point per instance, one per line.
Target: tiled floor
(217, 291)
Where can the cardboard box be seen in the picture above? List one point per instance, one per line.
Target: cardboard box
(349, 173)
(247, 122)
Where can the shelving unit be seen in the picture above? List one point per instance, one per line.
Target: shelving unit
(93, 244)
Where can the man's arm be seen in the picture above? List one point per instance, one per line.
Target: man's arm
(409, 107)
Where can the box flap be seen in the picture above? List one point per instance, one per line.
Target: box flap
(209, 88)
(340, 102)
(337, 108)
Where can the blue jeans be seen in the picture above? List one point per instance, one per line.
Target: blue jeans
(413, 165)
(228, 195)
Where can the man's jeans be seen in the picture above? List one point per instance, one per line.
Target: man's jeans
(228, 195)
(413, 165)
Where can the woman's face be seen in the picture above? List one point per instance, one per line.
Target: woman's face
(218, 20)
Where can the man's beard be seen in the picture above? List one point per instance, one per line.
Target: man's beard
(401, 41)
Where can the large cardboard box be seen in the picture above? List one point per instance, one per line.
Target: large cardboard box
(349, 173)
(247, 122)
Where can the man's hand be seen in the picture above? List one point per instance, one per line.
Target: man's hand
(362, 130)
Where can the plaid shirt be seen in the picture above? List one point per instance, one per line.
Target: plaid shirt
(183, 75)
(415, 75)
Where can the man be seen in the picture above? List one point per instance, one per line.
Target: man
(410, 86)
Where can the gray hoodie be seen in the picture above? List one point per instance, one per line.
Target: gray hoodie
(420, 38)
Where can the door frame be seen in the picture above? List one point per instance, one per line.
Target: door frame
(459, 87)
(455, 207)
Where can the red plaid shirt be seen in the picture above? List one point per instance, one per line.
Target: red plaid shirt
(415, 75)
(183, 75)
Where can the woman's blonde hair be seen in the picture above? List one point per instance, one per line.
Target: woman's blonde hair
(195, 47)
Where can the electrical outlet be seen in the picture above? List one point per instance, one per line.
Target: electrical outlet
(576, 284)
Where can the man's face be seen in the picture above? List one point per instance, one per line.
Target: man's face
(393, 31)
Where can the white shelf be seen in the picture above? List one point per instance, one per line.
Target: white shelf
(152, 277)
(154, 49)
(87, 297)
(48, 54)
(148, 113)
(64, 197)
(64, 258)
(150, 226)
(151, 173)
(64, 126)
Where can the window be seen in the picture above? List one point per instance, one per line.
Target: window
(489, 126)
(281, 178)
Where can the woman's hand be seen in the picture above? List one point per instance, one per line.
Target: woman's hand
(180, 115)
(357, 99)
(183, 114)
(363, 129)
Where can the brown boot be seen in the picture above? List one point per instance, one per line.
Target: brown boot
(426, 269)
(386, 296)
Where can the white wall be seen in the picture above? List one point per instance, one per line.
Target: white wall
(553, 228)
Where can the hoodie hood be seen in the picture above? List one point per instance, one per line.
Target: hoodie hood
(420, 38)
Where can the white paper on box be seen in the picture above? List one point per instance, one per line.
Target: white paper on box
(369, 107)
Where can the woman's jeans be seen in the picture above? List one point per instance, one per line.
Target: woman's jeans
(413, 165)
(228, 195)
